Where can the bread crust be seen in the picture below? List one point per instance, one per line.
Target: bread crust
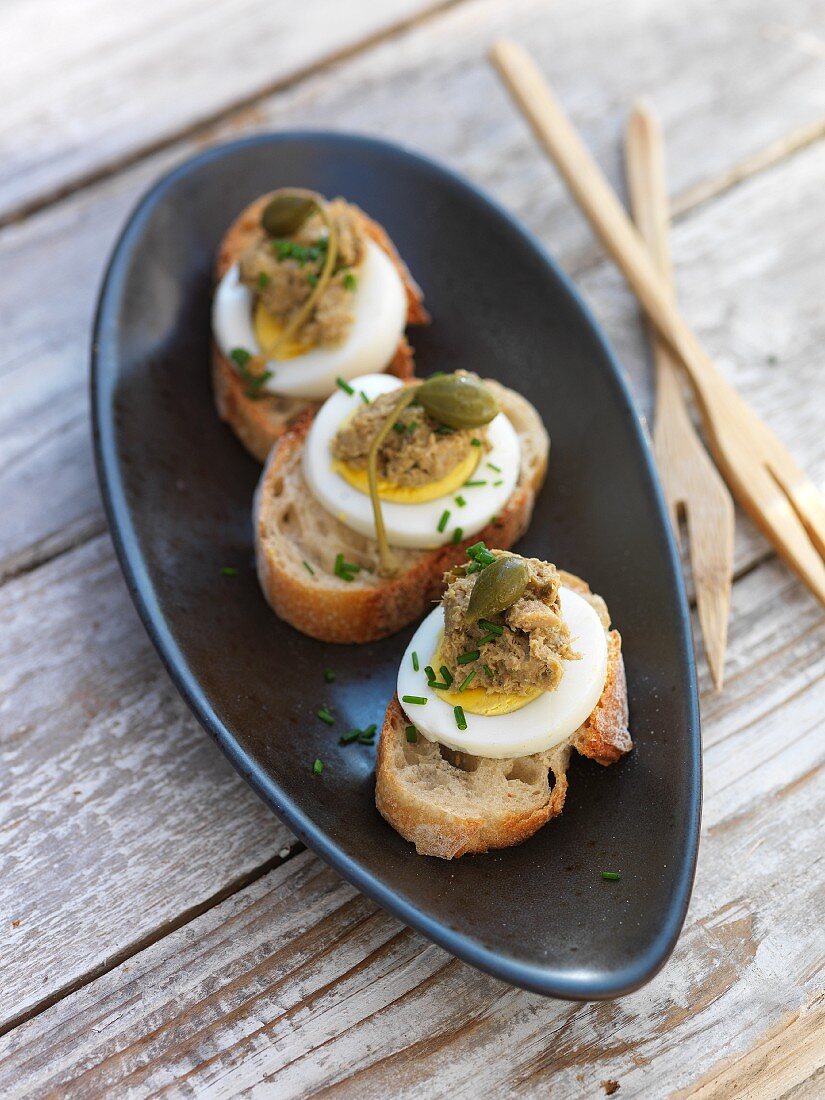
(356, 613)
(259, 423)
(443, 825)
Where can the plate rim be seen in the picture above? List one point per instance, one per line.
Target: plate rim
(534, 977)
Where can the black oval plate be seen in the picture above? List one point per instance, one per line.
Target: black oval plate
(177, 488)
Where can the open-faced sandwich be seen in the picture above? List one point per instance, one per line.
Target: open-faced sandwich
(307, 291)
(514, 668)
(362, 507)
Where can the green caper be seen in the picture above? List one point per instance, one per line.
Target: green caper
(497, 587)
(285, 213)
(457, 401)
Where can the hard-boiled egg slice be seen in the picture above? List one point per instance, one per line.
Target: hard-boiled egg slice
(417, 519)
(379, 306)
(532, 727)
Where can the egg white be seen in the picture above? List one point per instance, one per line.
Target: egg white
(546, 721)
(379, 305)
(408, 524)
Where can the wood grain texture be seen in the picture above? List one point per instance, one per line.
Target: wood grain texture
(118, 813)
(297, 984)
(714, 113)
(125, 78)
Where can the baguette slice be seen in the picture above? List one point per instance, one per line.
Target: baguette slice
(296, 543)
(259, 423)
(449, 804)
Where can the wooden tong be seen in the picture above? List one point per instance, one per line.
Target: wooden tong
(692, 485)
(763, 476)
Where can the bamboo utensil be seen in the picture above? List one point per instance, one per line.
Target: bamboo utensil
(691, 482)
(763, 476)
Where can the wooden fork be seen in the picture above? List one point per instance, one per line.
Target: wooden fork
(692, 485)
(763, 476)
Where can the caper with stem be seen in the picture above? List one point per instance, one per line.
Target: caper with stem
(497, 587)
(388, 563)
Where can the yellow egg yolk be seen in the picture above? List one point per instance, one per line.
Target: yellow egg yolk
(410, 494)
(268, 331)
(479, 700)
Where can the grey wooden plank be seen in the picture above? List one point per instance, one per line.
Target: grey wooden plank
(108, 80)
(297, 984)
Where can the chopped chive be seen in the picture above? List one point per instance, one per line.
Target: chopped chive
(350, 282)
(460, 501)
(364, 398)
(229, 571)
(473, 484)
(429, 672)
(264, 280)
(468, 657)
(346, 570)
(458, 535)
(349, 737)
(442, 523)
(412, 734)
(475, 442)
(499, 482)
(365, 738)
(480, 554)
(460, 720)
(494, 519)
(487, 638)
(473, 567)
(345, 386)
(398, 427)
(437, 685)
(446, 675)
(494, 628)
(312, 278)
(611, 876)
(308, 567)
(488, 672)
(415, 661)
(370, 729)
(466, 681)
(493, 466)
(317, 767)
(418, 700)
(442, 429)
(240, 356)
(326, 715)
(329, 675)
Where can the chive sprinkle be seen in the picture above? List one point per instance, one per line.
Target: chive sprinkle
(442, 523)
(475, 442)
(473, 567)
(329, 675)
(308, 567)
(460, 720)
(370, 729)
(312, 278)
(473, 484)
(468, 657)
(365, 738)
(412, 734)
(488, 672)
(499, 482)
(345, 386)
(493, 466)
(229, 571)
(466, 681)
(350, 282)
(611, 876)
(349, 737)
(487, 638)
(364, 398)
(415, 661)
(418, 700)
(460, 501)
(317, 767)
(446, 675)
(457, 535)
(240, 356)
(493, 628)
(264, 280)
(326, 715)
(429, 672)
(346, 570)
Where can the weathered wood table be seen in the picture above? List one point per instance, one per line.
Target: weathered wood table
(160, 931)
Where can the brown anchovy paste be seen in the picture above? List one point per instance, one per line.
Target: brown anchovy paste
(416, 452)
(530, 651)
(282, 273)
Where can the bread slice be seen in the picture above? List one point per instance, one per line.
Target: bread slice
(297, 540)
(449, 804)
(258, 423)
